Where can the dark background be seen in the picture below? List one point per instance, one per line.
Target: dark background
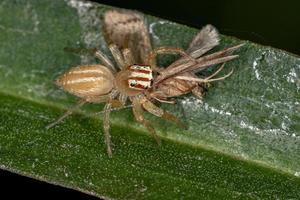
(274, 23)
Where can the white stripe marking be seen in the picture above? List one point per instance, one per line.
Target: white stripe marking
(84, 80)
(141, 75)
(87, 71)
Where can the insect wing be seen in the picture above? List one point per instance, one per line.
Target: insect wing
(127, 29)
(204, 41)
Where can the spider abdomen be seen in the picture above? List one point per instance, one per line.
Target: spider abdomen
(87, 81)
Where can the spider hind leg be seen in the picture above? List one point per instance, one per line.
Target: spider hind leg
(66, 114)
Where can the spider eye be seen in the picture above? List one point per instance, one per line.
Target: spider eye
(132, 83)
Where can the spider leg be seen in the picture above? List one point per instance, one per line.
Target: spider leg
(153, 109)
(123, 98)
(80, 103)
(112, 110)
(117, 104)
(117, 55)
(96, 52)
(163, 101)
(128, 57)
(138, 114)
(157, 95)
(105, 60)
(106, 127)
(67, 113)
(166, 50)
(106, 124)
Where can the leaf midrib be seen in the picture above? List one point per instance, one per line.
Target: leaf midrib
(144, 132)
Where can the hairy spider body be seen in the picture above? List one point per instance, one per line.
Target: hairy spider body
(99, 83)
(135, 76)
(87, 81)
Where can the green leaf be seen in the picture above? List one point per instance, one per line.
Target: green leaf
(243, 140)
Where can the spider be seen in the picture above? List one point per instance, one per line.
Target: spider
(135, 75)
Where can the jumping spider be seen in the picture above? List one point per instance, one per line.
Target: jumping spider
(136, 76)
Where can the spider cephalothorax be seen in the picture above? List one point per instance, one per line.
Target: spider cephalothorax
(141, 77)
(142, 83)
(134, 79)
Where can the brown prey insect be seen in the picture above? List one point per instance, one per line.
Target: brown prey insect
(135, 76)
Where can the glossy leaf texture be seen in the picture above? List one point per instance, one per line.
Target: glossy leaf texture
(243, 140)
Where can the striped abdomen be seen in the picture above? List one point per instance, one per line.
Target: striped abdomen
(140, 77)
(87, 81)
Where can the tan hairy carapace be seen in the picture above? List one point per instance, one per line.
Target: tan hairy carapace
(134, 75)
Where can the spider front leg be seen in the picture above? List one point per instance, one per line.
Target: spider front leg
(115, 51)
(166, 50)
(128, 57)
(95, 52)
(158, 96)
(138, 114)
(153, 109)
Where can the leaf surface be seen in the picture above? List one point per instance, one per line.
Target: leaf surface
(243, 139)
